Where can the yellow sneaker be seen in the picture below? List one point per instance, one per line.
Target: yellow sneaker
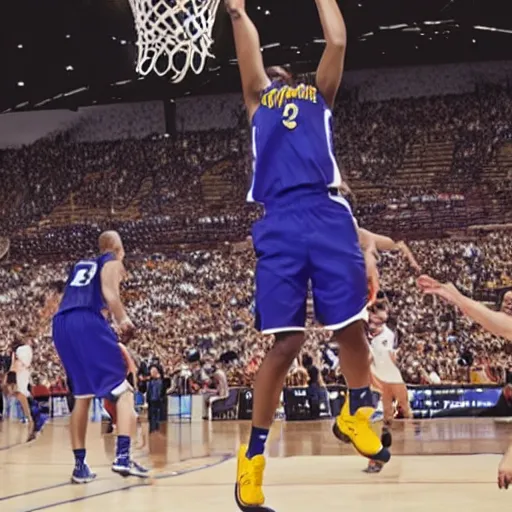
(357, 430)
(249, 480)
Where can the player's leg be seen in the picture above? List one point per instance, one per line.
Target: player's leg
(30, 406)
(281, 292)
(402, 397)
(387, 403)
(108, 374)
(68, 345)
(353, 423)
(340, 294)
(22, 399)
(78, 431)
(107, 371)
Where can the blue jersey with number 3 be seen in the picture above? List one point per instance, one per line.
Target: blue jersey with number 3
(292, 144)
(83, 288)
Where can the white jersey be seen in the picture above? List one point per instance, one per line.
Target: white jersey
(24, 356)
(382, 348)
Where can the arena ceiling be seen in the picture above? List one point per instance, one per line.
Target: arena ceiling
(70, 53)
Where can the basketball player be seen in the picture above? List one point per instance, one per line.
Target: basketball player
(498, 323)
(18, 381)
(90, 353)
(307, 235)
(387, 377)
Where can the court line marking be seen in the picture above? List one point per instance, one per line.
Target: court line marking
(223, 458)
(9, 446)
(389, 481)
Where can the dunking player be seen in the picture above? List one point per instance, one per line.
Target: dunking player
(90, 353)
(307, 234)
(498, 323)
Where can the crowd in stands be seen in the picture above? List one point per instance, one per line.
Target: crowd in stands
(203, 301)
(163, 182)
(164, 192)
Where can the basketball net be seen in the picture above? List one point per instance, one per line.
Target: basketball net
(173, 36)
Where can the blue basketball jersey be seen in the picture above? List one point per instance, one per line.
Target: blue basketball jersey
(83, 288)
(292, 144)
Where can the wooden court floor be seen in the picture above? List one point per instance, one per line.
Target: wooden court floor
(447, 465)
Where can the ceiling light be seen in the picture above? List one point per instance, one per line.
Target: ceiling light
(271, 45)
(20, 46)
(493, 29)
(68, 36)
(21, 84)
(69, 68)
(122, 41)
(267, 13)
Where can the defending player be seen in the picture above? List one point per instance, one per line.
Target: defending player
(498, 323)
(307, 234)
(90, 353)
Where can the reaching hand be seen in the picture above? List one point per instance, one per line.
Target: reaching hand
(126, 330)
(431, 286)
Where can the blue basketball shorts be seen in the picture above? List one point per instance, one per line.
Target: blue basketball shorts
(312, 241)
(90, 354)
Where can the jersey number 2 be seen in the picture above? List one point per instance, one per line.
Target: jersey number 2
(290, 113)
(84, 276)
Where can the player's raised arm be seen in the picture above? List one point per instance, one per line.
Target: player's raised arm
(385, 243)
(330, 69)
(497, 323)
(248, 52)
(111, 277)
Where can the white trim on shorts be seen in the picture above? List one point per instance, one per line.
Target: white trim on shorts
(83, 396)
(362, 315)
(282, 329)
(122, 388)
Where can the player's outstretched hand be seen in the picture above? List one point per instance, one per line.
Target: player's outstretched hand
(505, 470)
(431, 286)
(428, 284)
(126, 331)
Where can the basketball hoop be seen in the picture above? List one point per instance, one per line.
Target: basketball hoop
(173, 36)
